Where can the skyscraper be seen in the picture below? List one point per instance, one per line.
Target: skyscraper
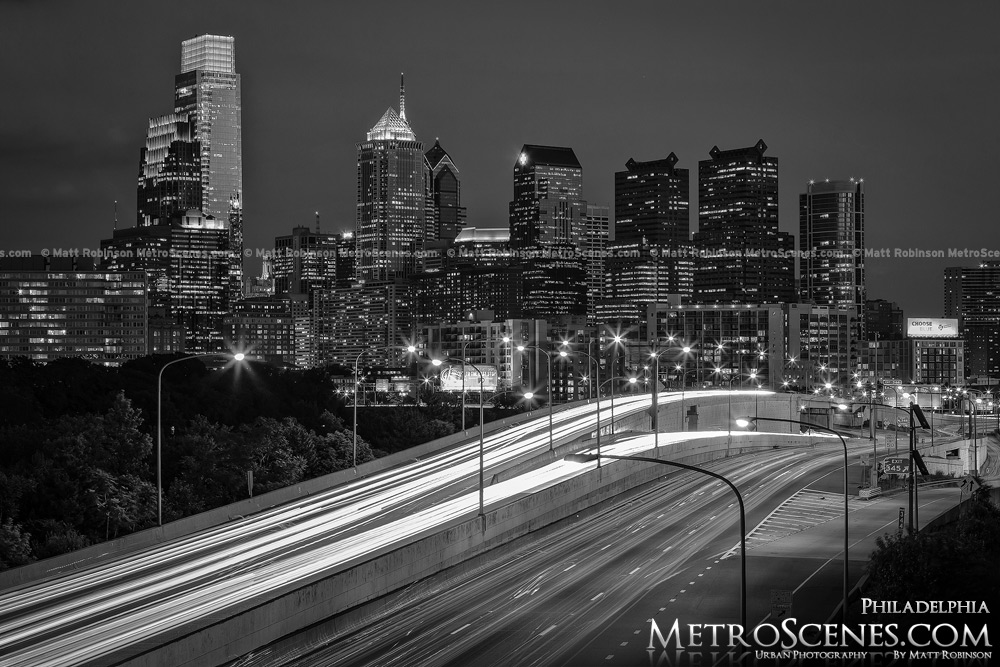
(548, 207)
(189, 232)
(208, 91)
(742, 256)
(832, 242)
(972, 295)
(445, 214)
(548, 223)
(650, 258)
(392, 197)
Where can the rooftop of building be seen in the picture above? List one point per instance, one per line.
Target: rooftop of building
(555, 156)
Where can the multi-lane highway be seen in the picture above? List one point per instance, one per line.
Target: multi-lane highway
(543, 603)
(127, 605)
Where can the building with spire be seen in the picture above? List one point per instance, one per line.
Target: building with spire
(392, 197)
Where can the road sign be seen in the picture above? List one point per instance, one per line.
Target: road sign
(970, 484)
(781, 604)
(902, 515)
(896, 465)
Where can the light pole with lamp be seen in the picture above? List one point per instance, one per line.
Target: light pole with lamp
(465, 345)
(410, 349)
(482, 425)
(597, 384)
(239, 356)
(586, 458)
(655, 410)
(746, 422)
(631, 380)
(548, 357)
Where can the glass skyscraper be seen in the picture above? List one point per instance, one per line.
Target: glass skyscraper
(832, 242)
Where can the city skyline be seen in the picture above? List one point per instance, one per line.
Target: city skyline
(306, 100)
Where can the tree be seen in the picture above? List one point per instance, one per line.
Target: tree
(15, 545)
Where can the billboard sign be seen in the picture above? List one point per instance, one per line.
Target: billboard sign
(451, 377)
(931, 327)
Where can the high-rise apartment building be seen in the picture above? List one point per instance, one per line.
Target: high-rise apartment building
(392, 198)
(445, 213)
(972, 295)
(831, 244)
(742, 256)
(54, 307)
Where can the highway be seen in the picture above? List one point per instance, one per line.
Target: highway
(567, 590)
(125, 606)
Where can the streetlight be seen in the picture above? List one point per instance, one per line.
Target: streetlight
(505, 339)
(597, 383)
(586, 458)
(482, 425)
(548, 357)
(744, 423)
(655, 421)
(239, 356)
(409, 348)
(631, 380)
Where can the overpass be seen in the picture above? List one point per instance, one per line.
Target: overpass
(212, 588)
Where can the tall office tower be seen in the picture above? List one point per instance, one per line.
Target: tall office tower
(390, 219)
(832, 243)
(972, 295)
(548, 218)
(884, 320)
(192, 159)
(651, 257)
(742, 256)
(304, 261)
(548, 207)
(208, 91)
(445, 214)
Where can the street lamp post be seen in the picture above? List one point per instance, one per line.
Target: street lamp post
(548, 358)
(239, 356)
(482, 426)
(411, 349)
(586, 458)
(597, 383)
(631, 380)
(748, 421)
(655, 421)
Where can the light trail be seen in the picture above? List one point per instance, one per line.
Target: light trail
(101, 611)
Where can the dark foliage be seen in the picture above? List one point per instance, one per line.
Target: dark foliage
(957, 562)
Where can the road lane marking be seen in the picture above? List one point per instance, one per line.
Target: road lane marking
(635, 570)
(594, 599)
(546, 631)
(461, 628)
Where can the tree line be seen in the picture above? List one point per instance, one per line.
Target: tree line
(77, 442)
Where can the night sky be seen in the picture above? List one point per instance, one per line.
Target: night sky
(904, 95)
